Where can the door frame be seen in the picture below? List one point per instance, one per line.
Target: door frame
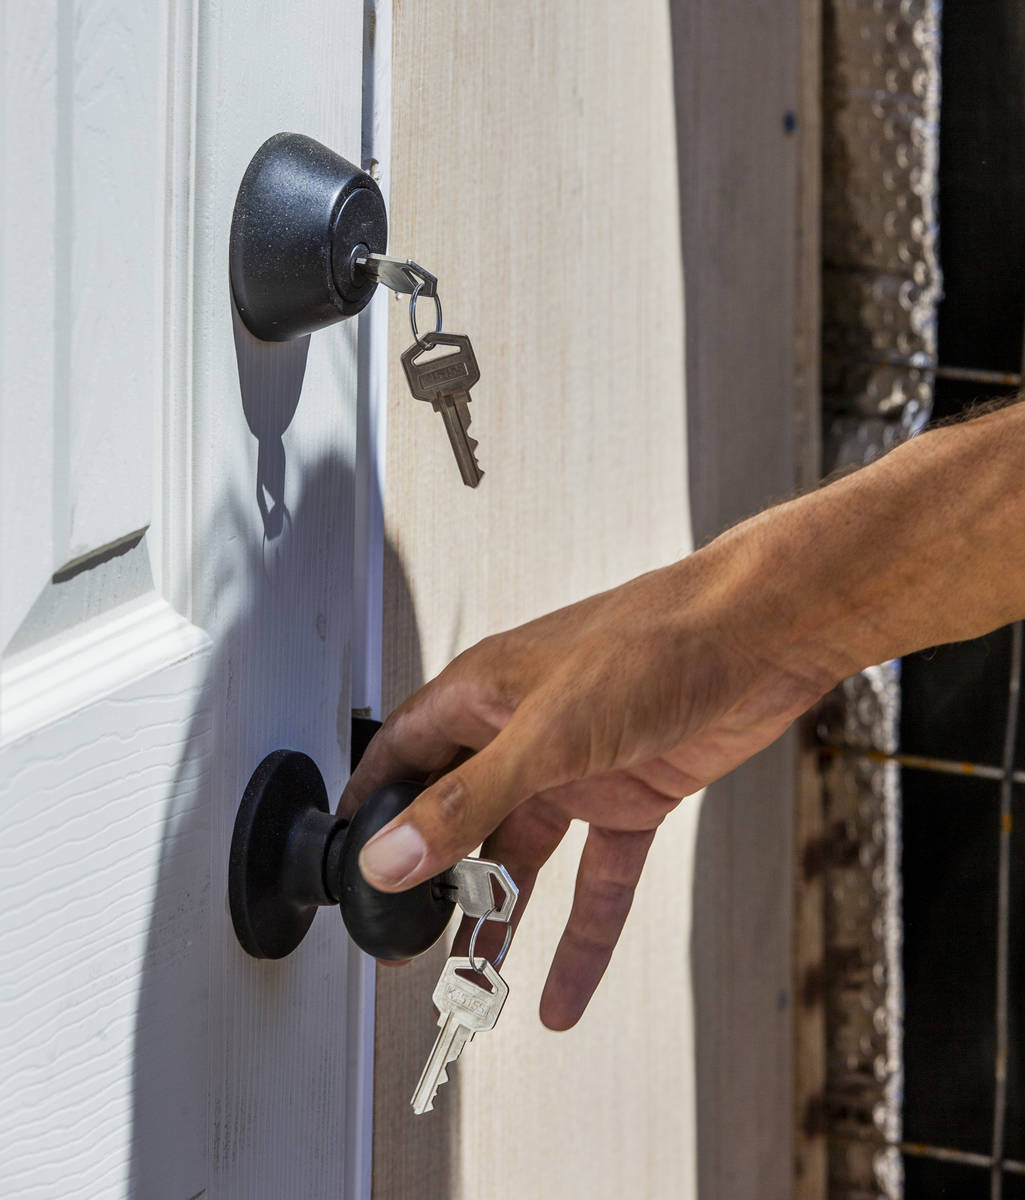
(368, 561)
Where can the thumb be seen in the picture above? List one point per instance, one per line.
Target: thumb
(453, 816)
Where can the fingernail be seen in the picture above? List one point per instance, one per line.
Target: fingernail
(391, 855)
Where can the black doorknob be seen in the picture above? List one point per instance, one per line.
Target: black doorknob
(302, 217)
(290, 855)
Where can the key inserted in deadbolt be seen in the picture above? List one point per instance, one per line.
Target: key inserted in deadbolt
(303, 217)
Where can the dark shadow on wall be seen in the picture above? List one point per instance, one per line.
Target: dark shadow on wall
(735, 82)
(277, 675)
(412, 1156)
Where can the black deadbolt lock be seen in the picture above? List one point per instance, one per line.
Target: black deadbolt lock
(291, 855)
(302, 218)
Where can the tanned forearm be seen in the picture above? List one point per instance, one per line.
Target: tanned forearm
(924, 546)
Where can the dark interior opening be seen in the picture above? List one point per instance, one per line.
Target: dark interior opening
(955, 698)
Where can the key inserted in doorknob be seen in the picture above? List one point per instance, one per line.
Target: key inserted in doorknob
(290, 855)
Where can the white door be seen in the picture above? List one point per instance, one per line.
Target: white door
(177, 565)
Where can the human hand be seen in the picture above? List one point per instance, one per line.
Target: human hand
(614, 709)
(609, 711)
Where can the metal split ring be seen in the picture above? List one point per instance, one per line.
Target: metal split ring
(473, 942)
(412, 315)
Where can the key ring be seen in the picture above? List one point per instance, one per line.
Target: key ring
(412, 316)
(473, 942)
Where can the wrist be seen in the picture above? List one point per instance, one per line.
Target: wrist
(755, 596)
(924, 546)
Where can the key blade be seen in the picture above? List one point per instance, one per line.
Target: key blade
(461, 400)
(398, 274)
(463, 446)
(434, 1073)
(448, 1045)
(466, 1008)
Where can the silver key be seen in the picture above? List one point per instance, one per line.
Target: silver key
(398, 274)
(470, 883)
(465, 1008)
(445, 383)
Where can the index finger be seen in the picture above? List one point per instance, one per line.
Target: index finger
(421, 737)
(522, 843)
(455, 814)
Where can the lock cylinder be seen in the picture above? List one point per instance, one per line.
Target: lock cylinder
(301, 217)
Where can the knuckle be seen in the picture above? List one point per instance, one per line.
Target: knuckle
(466, 660)
(389, 726)
(591, 938)
(453, 806)
(611, 897)
(491, 646)
(550, 821)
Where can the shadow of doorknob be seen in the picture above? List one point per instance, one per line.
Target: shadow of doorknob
(290, 855)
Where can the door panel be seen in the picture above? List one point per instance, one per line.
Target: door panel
(109, 243)
(83, 282)
(28, 279)
(94, 809)
(178, 596)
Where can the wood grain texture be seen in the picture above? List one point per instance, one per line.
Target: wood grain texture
(746, 97)
(536, 149)
(274, 443)
(109, 241)
(811, 1165)
(146, 1054)
(103, 1002)
(28, 119)
(82, 304)
(809, 1057)
(533, 169)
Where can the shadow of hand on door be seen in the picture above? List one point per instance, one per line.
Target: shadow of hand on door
(241, 1067)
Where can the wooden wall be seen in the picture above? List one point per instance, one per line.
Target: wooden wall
(542, 158)
(747, 110)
